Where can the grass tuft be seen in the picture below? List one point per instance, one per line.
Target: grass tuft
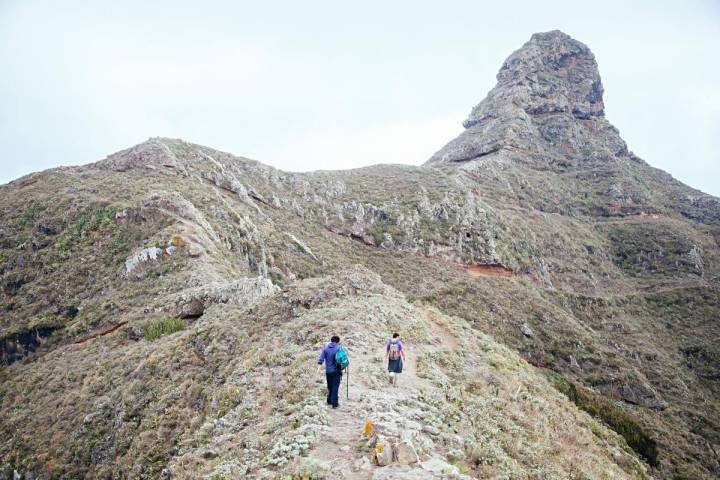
(162, 327)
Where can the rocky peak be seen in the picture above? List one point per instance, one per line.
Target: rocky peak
(152, 153)
(547, 102)
(553, 73)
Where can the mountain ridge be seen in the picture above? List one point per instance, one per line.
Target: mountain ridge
(600, 280)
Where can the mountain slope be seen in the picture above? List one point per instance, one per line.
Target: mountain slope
(536, 226)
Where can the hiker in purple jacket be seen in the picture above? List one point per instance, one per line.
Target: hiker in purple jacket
(395, 356)
(332, 373)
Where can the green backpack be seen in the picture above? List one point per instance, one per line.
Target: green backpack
(341, 359)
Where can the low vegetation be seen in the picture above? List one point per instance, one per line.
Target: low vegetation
(165, 326)
(613, 303)
(612, 415)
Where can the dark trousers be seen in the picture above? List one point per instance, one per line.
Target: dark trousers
(333, 385)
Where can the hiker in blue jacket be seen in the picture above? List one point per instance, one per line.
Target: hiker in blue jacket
(332, 372)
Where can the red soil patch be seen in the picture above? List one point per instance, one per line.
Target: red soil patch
(490, 270)
(100, 332)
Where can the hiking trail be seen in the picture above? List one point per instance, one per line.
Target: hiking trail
(389, 407)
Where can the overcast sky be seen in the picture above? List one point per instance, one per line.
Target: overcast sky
(334, 85)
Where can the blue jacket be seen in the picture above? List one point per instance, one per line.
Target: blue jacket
(327, 356)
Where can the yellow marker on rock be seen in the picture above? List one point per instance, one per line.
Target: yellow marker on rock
(368, 430)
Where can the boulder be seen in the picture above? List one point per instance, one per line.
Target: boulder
(527, 331)
(640, 393)
(383, 454)
(405, 453)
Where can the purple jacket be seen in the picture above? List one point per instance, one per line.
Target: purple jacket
(327, 356)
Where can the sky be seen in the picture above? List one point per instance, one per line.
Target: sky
(335, 85)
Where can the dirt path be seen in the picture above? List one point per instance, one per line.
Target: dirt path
(372, 397)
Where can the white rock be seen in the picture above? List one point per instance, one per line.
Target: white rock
(244, 293)
(439, 467)
(383, 451)
(526, 330)
(574, 363)
(405, 453)
(135, 261)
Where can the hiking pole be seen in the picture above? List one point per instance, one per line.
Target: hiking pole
(347, 383)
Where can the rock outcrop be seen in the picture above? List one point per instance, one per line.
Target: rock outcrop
(244, 293)
(547, 107)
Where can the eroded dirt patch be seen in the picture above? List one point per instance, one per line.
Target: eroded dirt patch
(489, 270)
(99, 332)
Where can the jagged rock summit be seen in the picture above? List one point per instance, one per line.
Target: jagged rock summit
(547, 104)
(558, 72)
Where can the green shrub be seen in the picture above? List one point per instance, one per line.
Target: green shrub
(613, 417)
(91, 221)
(598, 381)
(565, 386)
(164, 327)
(621, 422)
(28, 215)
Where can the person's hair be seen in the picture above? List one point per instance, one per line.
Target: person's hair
(335, 339)
(395, 335)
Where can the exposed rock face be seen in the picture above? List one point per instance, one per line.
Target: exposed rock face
(640, 393)
(244, 293)
(135, 262)
(547, 102)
